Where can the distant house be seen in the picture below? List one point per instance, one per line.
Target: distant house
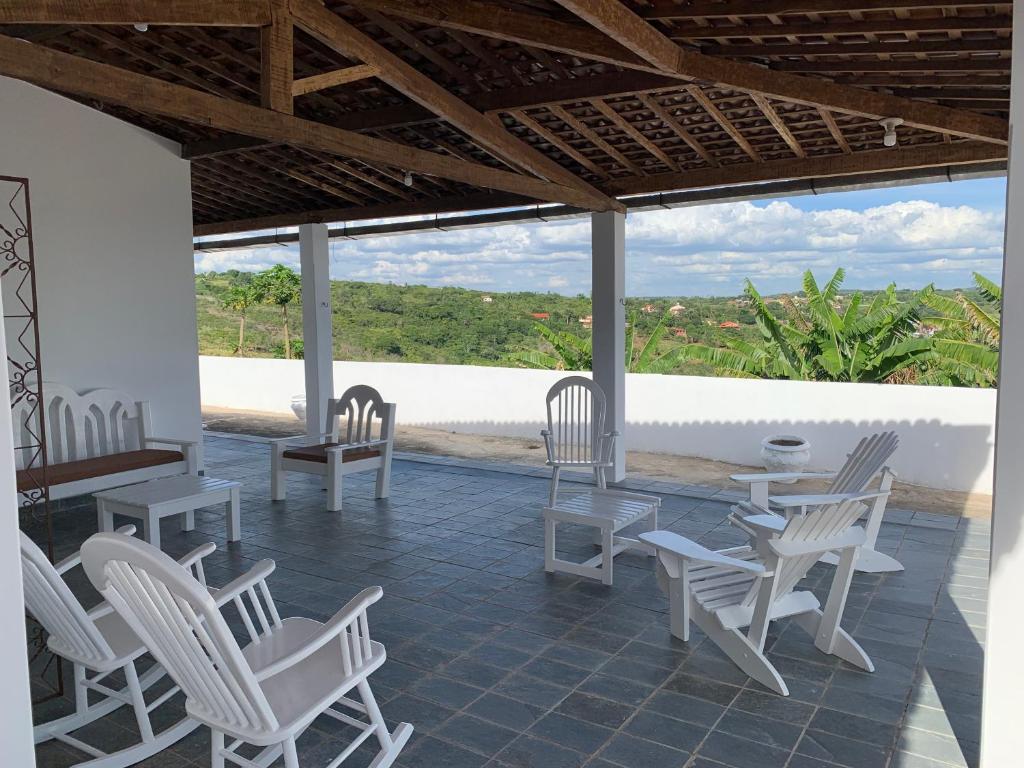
(487, 299)
(729, 324)
(647, 309)
(587, 321)
(675, 309)
(540, 315)
(679, 333)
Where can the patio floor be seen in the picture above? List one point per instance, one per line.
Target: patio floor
(497, 663)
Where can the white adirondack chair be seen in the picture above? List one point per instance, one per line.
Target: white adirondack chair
(97, 643)
(726, 591)
(267, 693)
(575, 437)
(359, 437)
(866, 462)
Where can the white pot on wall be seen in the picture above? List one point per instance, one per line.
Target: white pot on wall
(785, 453)
(299, 407)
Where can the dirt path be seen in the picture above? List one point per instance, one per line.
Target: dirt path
(683, 469)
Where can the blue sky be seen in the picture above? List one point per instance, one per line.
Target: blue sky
(934, 233)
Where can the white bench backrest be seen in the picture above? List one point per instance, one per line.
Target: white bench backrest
(82, 426)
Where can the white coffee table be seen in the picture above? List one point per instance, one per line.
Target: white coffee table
(181, 495)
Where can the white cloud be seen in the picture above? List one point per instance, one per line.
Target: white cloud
(684, 251)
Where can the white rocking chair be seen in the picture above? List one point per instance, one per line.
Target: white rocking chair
(266, 694)
(866, 462)
(98, 642)
(575, 437)
(749, 587)
(359, 436)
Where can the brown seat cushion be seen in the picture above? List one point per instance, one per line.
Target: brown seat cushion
(319, 453)
(84, 469)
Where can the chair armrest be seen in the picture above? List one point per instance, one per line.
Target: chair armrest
(549, 444)
(692, 551)
(778, 477)
(337, 624)
(342, 447)
(851, 537)
(72, 560)
(766, 523)
(818, 499)
(250, 578)
(171, 441)
(300, 439)
(193, 560)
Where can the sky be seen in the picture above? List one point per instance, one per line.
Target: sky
(913, 236)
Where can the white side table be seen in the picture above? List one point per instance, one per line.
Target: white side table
(181, 495)
(609, 511)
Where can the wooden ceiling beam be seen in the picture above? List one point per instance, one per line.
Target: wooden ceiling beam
(66, 73)
(700, 9)
(716, 114)
(826, 166)
(277, 59)
(833, 127)
(637, 136)
(191, 13)
(909, 47)
(334, 32)
(619, 22)
(594, 138)
(665, 115)
(778, 124)
(554, 140)
(874, 26)
(332, 79)
(896, 65)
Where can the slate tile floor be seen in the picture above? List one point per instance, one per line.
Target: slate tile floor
(498, 664)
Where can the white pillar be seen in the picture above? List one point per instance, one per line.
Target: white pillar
(314, 257)
(16, 706)
(1002, 739)
(608, 293)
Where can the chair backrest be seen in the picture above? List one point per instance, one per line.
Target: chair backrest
(80, 426)
(864, 462)
(177, 619)
(73, 634)
(821, 523)
(576, 413)
(358, 416)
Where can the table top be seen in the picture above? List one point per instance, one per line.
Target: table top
(607, 504)
(166, 489)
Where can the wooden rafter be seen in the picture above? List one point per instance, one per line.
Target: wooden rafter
(334, 32)
(592, 136)
(716, 114)
(277, 59)
(778, 124)
(833, 127)
(636, 135)
(554, 140)
(909, 47)
(824, 166)
(895, 25)
(669, 120)
(213, 13)
(73, 74)
(698, 9)
(332, 79)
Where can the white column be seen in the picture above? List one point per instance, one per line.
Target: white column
(1002, 738)
(314, 257)
(608, 293)
(16, 706)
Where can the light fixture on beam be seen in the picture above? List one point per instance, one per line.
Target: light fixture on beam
(407, 180)
(890, 124)
(141, 27)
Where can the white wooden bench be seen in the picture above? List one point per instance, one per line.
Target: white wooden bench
(97, 440)
(609, 511)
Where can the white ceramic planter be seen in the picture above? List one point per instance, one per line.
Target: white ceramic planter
(299, 407)
(785, 453)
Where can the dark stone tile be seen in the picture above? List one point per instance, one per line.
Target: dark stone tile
(688, 708)
(632, 752)
(740, 753)
(774, 706)
(615, 688)
(475, 672)
(530, 752)
(531, 690)
(763, 730)
(424, 715)
(665, 730)
(702, 688)
(446, 692)
(854, 727)
(428, 752)
(846, 752)
(478, 735)
(595, 710)
(572, 733)
(556, 672)
(504, 711)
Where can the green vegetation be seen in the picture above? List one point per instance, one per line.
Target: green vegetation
(929, 336)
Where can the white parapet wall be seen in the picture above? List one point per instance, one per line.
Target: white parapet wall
(946, 433)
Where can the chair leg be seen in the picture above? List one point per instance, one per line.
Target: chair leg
(549, 544)
(679, 605)
(278, 477)
(138, 702)
(553, 493)
(390, 743)
(607, 555)
(334, 483)
(384, 476)
(599, 478)
(216, 749)
(291, 755)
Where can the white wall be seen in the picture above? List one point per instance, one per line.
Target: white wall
(112, 225)
(945, 433)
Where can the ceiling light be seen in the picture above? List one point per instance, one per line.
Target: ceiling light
(142, 27)
(890, 124)
(408, 179)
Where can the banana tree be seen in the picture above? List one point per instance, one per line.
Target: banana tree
(967, 341)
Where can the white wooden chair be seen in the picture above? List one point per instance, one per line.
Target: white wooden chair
(97, 440)
(359, 437)
(575, 437)
(728, 590)
(863, 465)
(98, 643)
(267, 693)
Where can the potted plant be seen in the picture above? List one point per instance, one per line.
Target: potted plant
(785, 453)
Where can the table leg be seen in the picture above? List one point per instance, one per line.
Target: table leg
(188, 520)
(151, 529)
(231, 512)
(104, 518)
